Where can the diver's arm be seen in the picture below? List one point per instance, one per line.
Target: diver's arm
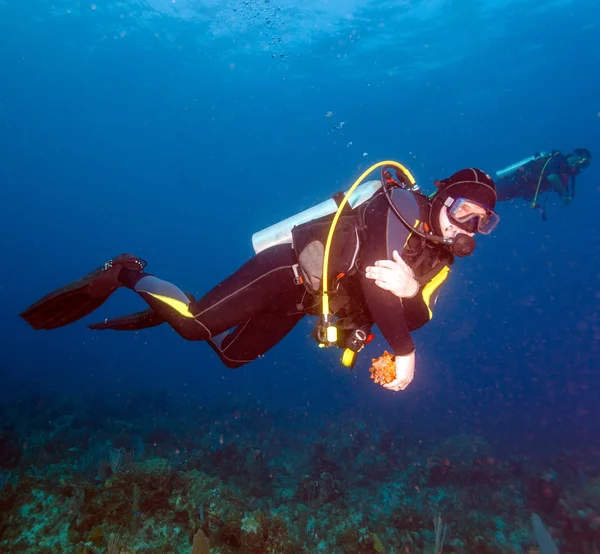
(387, 313)
(399, 281)
(556, 183)
(385, 308)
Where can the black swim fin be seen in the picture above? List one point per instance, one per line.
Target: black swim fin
(78, 299)
(133, 322)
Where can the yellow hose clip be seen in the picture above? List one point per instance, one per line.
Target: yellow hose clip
(348, 358)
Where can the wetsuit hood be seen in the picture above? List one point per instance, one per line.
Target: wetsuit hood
(470, 184)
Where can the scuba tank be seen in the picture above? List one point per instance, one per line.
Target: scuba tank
(514, 167)
(281, 233)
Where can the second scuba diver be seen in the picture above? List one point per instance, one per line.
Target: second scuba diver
(378, 262)
(542, 174)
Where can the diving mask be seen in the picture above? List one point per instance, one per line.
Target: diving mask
(583, 163)
(471, 216)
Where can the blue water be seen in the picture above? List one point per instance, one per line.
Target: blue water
(175, 129)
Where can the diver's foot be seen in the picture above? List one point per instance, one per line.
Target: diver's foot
(127, 268)
(126, 260)
(110, 279)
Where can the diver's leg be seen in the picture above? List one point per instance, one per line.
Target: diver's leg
(253, 338)
(265, 283)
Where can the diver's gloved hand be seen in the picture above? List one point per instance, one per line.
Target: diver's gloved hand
(405, 372)
(394, 275)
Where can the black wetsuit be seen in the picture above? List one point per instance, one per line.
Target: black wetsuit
(263, 300)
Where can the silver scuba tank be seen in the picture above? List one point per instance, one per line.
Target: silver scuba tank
(514, 167)
(281, 233)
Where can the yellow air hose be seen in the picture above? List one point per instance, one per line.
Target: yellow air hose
(331, 330)
(537, 190)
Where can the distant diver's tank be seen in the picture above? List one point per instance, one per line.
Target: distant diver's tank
(514, 167)
(281, 233)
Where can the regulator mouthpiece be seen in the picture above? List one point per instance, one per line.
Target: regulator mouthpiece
(463, 245)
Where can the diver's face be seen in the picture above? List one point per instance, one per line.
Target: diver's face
(576, 161)
(449, 230)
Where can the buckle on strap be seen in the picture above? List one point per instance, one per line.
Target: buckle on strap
(298, 280)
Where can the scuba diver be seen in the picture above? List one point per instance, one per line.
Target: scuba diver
(378, 260)
(541, 174)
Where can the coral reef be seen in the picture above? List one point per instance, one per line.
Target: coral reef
(77, 479)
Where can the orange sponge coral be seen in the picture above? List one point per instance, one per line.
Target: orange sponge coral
(383, 370)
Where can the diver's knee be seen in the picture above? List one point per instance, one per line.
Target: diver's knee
(191, 332)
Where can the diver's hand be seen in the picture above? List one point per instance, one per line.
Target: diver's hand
(394, 276)
(405, 372)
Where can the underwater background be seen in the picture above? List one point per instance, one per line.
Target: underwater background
(174, 130)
